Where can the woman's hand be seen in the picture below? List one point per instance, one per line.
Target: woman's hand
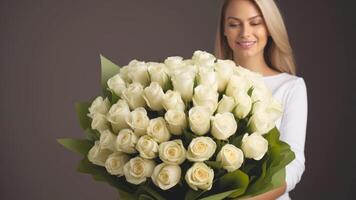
(270, 195)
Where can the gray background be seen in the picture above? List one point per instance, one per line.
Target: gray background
(49, 59)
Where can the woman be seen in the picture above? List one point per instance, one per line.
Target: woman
(253, 34)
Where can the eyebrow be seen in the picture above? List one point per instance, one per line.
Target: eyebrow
(241, 20)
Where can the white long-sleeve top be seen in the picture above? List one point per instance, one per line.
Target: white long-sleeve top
(291, 91)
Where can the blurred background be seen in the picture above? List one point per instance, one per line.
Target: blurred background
(49, 59)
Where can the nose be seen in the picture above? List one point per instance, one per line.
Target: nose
(245, 31)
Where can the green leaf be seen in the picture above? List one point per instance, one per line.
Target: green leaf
(145, 197)
(219, 195)
(100, 174)
(82, 111)
(278, 178)
(113, 98)
(80, 146)
(92, 135)
(279, 151)
(125, 195)
(272, 136)
(188, 137)
(236, 140)
(262, 184)
(213, 164)
(193, 194)
(241, 128)
(250, 90)
(146, 192)
(273, 165)
(233, 184)
(236, 180)
(168, 85)
(108, 70)
(220, 144)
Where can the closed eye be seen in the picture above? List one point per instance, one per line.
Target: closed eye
(255, 23)
(234, 25)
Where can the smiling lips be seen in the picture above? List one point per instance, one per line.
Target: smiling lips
(246, 44)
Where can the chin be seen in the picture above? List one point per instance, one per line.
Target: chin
(253, 52)
(246, 53)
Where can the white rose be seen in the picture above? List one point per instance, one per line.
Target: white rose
(173, 100)
(126, 141)
(107, 140)
(114, 164)
(138, 72)
(259, 106)
(208, 77)
(261, 122)
(124, 74)
(223, 125)
(116, 115)
(166, 176)
(242, 71)
(138, 121)
(224, 71)
(133, 95)
(254, 78)
(199, 120)
(172, 152)
(203, 59)
(173, 62)
(226, 104)
(99, 122)
(237, 84)
(138, 169)
(176, 120)
(275, 109)
(159, 73)
(153, 96)
(147, 147)
(230, 157)
(188, 62)
(239, 70)
(254, 146)
(186, 67)
(200, 176)
(158, 130)
(206, 96)
(243, 105)
(99, 106)
(261, 93)
(201, 149)
(98, 155)
(116, 84)
(271, 106)
(183, 82)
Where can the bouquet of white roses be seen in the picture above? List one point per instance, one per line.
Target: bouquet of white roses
(199, 128)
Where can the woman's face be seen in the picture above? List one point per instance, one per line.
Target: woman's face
(245, 29)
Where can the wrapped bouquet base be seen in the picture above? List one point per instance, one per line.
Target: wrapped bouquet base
(198, 128)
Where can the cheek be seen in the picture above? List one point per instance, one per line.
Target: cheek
(262, 34)
(230, 36)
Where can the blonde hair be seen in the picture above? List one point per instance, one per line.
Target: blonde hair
(278, 52)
